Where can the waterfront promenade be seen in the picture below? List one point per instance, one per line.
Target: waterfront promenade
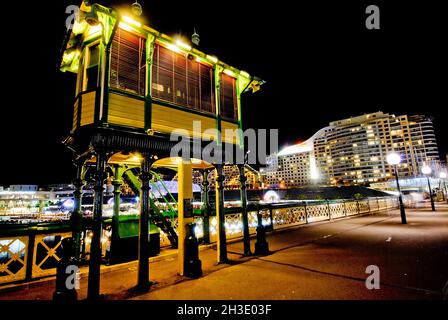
(320, 261)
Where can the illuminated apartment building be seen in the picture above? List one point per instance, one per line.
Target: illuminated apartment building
(423, 140)
(293, 166)
(354, 150)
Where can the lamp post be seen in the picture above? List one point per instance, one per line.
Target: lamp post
(442, 176)
(394, 159)
(426, 170)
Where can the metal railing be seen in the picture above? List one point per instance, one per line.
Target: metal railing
(31, 252)
(279, 216)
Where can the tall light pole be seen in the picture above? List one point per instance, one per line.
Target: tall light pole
(426, 170)
(394, 159)
(442, 176)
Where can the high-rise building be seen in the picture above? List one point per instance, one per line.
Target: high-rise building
(423, 140)
(293, 166)
(354, 150)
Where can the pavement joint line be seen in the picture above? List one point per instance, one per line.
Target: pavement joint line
(426, 291)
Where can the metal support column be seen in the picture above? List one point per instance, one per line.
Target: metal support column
(400, 198)
(433, 208)
(117, 182)
(93, 290)
(143, 283)
(220, 215)
(205, 208)
(243, 193)
(77, 212)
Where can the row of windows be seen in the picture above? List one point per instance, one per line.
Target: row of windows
(182, 81)
(128, 62)
(176, 78)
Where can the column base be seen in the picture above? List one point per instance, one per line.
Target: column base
(193, 269)
(144, 287)
(261, 248)
(248, 254)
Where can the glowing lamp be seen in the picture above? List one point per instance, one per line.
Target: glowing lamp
(173, 47)
(131, 22)
(183, 45)
(229, 73)
(212, 59)
(244, 74)
(426, 170)
(68, 204)
(393, 158)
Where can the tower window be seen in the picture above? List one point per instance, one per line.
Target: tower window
(229, 108)
(128, 62)
(180, 79)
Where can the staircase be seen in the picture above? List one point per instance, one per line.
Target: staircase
(162, 214)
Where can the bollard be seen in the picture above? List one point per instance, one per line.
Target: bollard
(67, 273)
(261, 246)
(192, 264)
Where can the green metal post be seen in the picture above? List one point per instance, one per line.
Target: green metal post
(222, 245)
(77, 212)
(205, 208)
(93, 290)
(143, 282)
(243, 194)
(117, 182)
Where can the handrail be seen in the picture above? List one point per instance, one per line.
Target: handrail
(300, 213)
(163, 184)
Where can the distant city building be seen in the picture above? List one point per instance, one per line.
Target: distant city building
(354, 150)
(26, 199)
(23, 187)
(232, 178)
(293, 166)
(423, 139)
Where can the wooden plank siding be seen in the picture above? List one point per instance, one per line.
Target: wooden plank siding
(126, 111)
(166, 120)
(88, 108)
(130, 112)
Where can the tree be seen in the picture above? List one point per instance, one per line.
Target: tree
(358, 196)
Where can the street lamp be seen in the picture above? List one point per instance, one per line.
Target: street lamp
(442, 176)
(394, 159)
(426, 170)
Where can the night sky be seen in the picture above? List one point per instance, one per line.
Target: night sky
(319, 61)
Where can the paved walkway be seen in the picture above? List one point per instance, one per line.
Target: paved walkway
(320, 261)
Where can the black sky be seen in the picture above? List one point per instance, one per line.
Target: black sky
(319, 61)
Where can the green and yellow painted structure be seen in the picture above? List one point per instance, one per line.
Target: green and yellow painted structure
(127, 132)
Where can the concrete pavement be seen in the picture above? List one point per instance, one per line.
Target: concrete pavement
(320, 261)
